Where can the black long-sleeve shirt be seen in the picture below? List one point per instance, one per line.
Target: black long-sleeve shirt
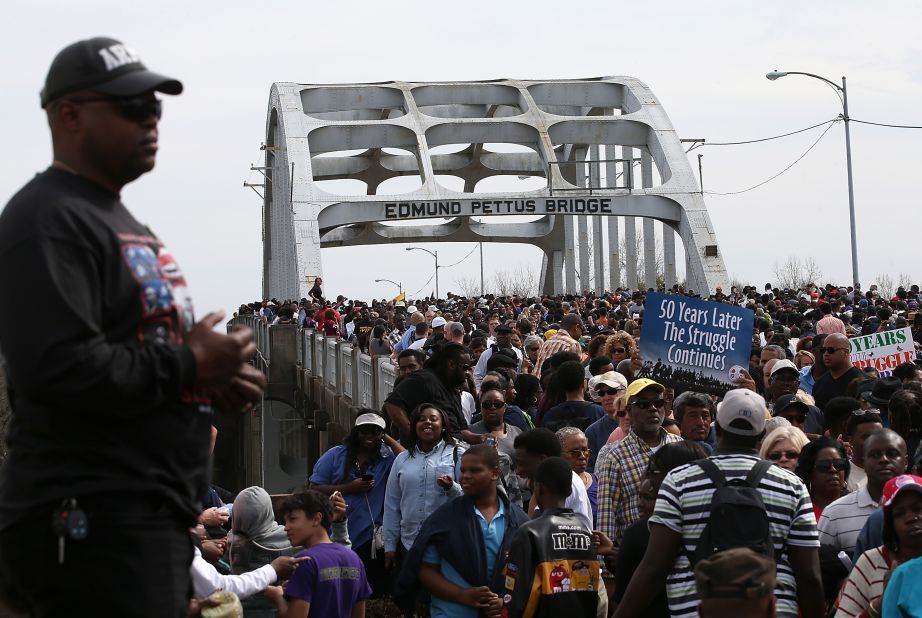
(92, 315)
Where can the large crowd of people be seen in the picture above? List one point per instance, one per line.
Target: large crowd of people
(520, 467)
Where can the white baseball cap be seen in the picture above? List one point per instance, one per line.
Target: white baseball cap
(784, 364)
(370, 418)
(742, 404)
(412, 309)
(611, 378)
(438, 321)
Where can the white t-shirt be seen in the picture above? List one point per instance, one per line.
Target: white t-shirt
(579, 501)
(468, 406)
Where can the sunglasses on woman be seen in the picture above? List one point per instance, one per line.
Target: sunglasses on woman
(784, 454)
(607, 392)
(826, 465)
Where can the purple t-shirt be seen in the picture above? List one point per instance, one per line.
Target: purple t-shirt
(332, 581)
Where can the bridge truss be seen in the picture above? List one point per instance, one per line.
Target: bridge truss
(412, 162)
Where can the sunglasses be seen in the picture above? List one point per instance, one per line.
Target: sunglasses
(826, 465)
(784, 454)
(374, 431)
(646, 403)
(607, 392)
(619, 350)
(492, 405)
(467, 366)
(860, 412)
(831, 350)
(136, 109)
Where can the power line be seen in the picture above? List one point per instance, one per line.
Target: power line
(796, 161)
(762, 139)
(462, 259)
(883, 124)
(422, 288)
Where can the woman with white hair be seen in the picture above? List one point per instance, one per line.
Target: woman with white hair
(782, 447)
(574, 449)
(532, 346)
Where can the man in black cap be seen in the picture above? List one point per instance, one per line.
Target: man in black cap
(793, 408)
(112, 395)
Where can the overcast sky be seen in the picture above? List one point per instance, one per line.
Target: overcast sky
(705, 61)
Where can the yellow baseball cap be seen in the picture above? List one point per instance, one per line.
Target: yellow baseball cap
(638, 385)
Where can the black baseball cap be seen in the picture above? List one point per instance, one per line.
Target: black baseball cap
(106, 66)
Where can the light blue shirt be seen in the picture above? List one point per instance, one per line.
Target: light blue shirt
(903, 597)
(807, 380)
(405, 340)
(363, 511)
(493, 533)
(412, 492)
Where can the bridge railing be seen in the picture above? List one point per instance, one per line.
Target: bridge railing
(341, 368)
(316, 385)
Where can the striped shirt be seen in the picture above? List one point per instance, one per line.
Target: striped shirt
(560, 342)
(864, 584)
(842, 521)
(684, 505)
(620, 475)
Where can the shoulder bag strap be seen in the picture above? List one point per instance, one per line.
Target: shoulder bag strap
(713, 472)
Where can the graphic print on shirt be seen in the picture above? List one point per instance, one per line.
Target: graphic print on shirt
(165, 300)
(166, 305)
(558, 578)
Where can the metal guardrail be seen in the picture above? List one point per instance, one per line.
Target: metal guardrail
(344, 371)
(316, 385)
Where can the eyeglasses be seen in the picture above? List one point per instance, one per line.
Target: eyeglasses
(619, 350)
(492, 405)
(860, 412)
(607, 392)
(136, 109)
(576, 452)
(646, 403)
(826, 465)
(467, 366)
(831, 350)
(783, 454)
(372, 430)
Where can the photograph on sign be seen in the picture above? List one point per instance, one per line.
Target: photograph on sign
(690, 344)
(883, 351)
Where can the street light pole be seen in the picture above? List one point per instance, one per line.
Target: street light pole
(773, 75)
(851, 190)
(397, 283)
(436, 256)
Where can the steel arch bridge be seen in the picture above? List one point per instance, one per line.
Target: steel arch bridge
(345, 162)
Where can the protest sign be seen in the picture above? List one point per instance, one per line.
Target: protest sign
(688, 343)
(883, 351)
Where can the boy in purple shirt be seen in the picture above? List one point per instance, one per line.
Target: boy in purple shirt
(331, 582)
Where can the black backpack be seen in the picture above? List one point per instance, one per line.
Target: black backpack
(738, 517)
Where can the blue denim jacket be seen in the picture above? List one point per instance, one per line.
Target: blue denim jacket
(413, 494)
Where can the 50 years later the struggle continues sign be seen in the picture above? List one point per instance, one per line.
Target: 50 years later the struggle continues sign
(690, 344)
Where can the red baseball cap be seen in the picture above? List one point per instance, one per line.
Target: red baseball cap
(899, 484)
